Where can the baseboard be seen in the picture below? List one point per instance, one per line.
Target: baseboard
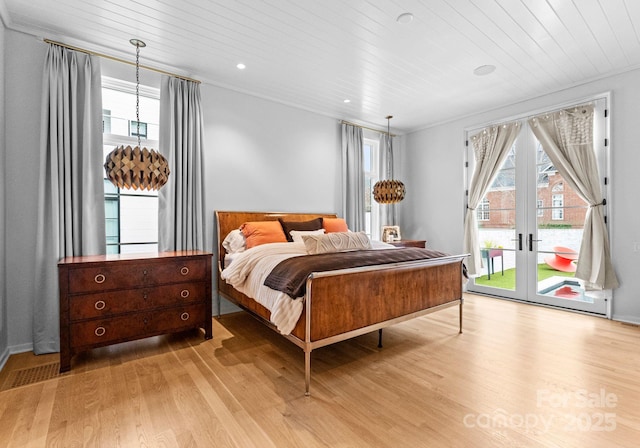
(12, 350)
(626, 319)
(4, 357)
(21, 348)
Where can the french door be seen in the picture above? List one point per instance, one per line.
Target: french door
(530, 225)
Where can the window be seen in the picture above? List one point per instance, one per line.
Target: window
(557, 204)
(134, 129)
(540, 207)
(483, 210)
(131, 216)
(106, 121)
(371, 176)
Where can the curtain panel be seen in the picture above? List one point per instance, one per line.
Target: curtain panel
(181, 210)
(490, 147)
(70, 189)
(353, 177)
(567, 138)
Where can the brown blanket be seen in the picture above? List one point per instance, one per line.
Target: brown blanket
(290, 276)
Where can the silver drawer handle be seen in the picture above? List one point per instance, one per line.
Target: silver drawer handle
(100, 331)
(184, 270)
(184, 316)
(100, 278)
(184, 293)
(100, 305)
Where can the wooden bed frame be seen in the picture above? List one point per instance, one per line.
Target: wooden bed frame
(346, 303)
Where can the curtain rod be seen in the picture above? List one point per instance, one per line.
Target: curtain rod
(365, 127)
(113, 58)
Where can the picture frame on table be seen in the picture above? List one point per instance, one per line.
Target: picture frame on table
(390, 234)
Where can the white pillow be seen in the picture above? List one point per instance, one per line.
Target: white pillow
(298, 234)
(336, 242)
(234, 242)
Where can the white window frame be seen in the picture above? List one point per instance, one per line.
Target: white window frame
(372, 218)
(557, 207)
(114, 140)
(483, 213)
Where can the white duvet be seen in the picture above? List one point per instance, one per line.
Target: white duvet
(250, 268)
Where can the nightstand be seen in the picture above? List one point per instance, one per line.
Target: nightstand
(410, 243)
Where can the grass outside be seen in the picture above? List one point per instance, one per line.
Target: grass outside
(508, 280)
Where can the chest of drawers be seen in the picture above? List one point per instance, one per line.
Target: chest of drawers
(107, 299)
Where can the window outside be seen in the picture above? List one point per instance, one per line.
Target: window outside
(371, 176)
(131, 216)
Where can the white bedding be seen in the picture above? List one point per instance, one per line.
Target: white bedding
(250, 268)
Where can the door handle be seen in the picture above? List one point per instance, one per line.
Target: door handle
(519, 240)
(531, 240)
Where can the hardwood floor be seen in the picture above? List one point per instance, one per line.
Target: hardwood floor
(519, 375)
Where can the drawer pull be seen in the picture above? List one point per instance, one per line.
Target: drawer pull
(145, 296)
(146, 320)
(144, 272)
(100, 305)
(100, 331)
(184, 316)
(184, 270)
(100, 278)
(184, 293)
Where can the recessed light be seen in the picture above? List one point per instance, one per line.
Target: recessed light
(405, 18)
(241, 66)
(347, 101)
(484, 70)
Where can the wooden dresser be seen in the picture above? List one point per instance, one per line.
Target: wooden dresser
(106, 299)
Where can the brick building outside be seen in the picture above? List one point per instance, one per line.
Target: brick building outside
(558, 205)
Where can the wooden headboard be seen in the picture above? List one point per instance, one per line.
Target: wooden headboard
(227, 221)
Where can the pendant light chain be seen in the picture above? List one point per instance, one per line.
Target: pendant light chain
(389, 191)
(137, 168)
(138, 90)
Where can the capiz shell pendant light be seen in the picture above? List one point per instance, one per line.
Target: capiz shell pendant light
(388, 191)
(137, 168)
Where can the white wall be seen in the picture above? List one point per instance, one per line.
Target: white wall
(433, 164)
(264, 156)
(259, 155)
(4, 348)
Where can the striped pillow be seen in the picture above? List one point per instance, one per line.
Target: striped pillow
(336, 242)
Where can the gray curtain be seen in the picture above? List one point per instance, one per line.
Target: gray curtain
(567, 138)
(353, 177)
(181, 214)
(70, 188)
(490, 148)
(386, 212)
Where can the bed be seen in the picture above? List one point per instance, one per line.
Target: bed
(348, 302)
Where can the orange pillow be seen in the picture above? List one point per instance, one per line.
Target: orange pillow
(262, 232)
(334, 225)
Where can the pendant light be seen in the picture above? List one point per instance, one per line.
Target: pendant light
(388, 191)
(137, 168)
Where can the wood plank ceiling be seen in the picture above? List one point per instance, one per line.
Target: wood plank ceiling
(315, 54)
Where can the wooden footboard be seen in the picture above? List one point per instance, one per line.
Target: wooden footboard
(346, 303)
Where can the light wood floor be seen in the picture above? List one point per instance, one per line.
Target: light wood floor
(519, 375)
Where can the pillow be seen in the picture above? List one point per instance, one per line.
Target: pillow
(262, 232)
(298, 234)
(334, 225)
(234, 242)
(288, 226)
(336, 242)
